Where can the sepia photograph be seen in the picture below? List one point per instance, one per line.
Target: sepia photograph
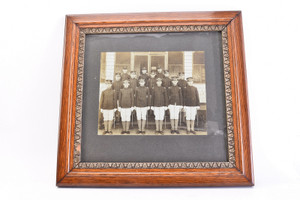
(152, 93)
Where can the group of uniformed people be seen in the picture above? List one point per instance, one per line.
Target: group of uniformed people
(156, 92)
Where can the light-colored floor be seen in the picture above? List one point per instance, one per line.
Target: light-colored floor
(150, 132)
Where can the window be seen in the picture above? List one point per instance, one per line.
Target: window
(122, 60)
(175, 62)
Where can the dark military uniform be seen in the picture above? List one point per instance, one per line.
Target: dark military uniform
(175, 95)
(125, 76)
(126, 101)
(151, 82)
(159, 97)
(108, 99)
(142, 102)
(191, 96)
(133, 83)
(108, 104)
(159, 75)
(126, 98)
(166, 82)
(175, 105)
(159, 104)
(145, 77)
(142, 97)
(182, 83)
(191, 104)
(117, 85)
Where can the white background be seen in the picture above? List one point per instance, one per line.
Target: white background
(31, 50)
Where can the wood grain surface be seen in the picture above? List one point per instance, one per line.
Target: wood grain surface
(242, 175)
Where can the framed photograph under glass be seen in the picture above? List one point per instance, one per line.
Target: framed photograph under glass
(154, 100)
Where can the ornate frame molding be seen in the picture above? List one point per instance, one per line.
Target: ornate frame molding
(154, 165)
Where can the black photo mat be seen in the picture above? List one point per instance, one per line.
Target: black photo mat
(183, 148)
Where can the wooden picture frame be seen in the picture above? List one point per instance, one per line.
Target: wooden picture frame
(238, 171)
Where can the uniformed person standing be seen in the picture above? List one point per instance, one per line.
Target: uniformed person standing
(108, 105)
(182, 84)
(159, 104)
(159, 73)
(181, 81)
(133, 80)
(144, 75)
(126, 104)
(142, 105)
(175, 104)
(191, 104)
(125, 75)
(152, 80)
(117, 85)
(166, 80)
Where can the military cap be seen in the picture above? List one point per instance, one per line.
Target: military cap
(126, 81)
(141, 79)
(144, 68)
(158, 79)
(189, 79)
(108, 81)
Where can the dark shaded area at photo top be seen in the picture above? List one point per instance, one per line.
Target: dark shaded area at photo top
(189, 148)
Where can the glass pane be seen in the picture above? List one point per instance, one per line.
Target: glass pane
(139, 63)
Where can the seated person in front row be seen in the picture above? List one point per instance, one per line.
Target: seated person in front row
(126, 100)
(108, 105)
(159, 105)
(191, 104)
(175, 104)
(142, 97)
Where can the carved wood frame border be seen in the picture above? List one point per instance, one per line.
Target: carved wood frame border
(77, 26)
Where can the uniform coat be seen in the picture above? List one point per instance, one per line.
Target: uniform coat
(108, 99)
(159, 97)
(151, 82)
(142, 97)
(126, 98)
(133, 83)
(191, 96)
(145, 77)
(182, 83)
(159, 75)
(166, 82)
(117, 85)
(125, 76)
(175, 95)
